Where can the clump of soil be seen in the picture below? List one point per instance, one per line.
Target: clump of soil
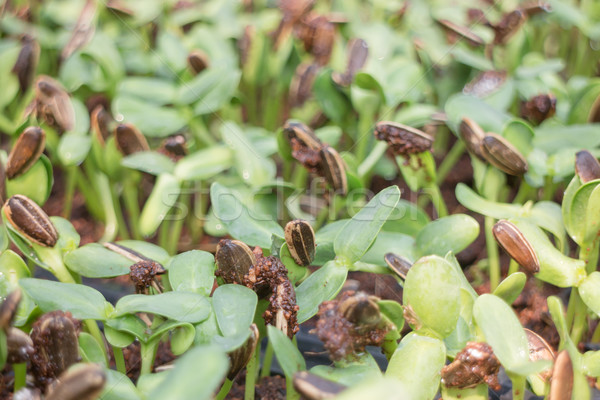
(341, 337)
(269, 276)
(473, 365)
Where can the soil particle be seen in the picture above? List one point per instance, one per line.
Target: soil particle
(143, 274)
(133, 360)
(270, 277)
(476, 363)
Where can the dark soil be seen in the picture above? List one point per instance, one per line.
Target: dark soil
(269, 388)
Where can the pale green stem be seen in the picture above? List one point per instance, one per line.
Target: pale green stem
(148, 353)
(20, 371)
(513, 267)
(450, 161)
(267, 361)
(119, 359)
(224, 389)
(493, 256)
(251, 370)
(365, 168)
(518, 386)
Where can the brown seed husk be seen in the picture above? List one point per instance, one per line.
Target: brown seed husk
(587, 166)
(503, 155)
(510, 238)
(358, 51)
(30, 220)
(313, 387)
(561, 383)
(472, 134)
(130, 140)
(19, 346)
(54, 337)
(485, 83)
(302, 83)
(463, 32)
(539, 108)
(334, 169)
(53, 103)
(197, 61)
(318, 35)
(27, 150)
(27, 62)
(403, 139)
(539, 349)
(9, 307)
(398, 264)
(240, 357)
(102, 123)
(234, 260)
(508, 26)
(83, 31)
(361, 309)
(83, 383)
(305, 145)
(300, 239)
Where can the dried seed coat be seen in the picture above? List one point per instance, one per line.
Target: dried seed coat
(234, 260)
(587, 166)
(84, 383)
(510, 238)
(300, 239)
(26, 151)
(334, 170)
(30, 220)
(403, 139)
(503, 155)
(130, 140)
(472, 135)
(398, 264)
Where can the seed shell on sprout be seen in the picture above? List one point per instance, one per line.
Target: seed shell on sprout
(27, 62)
(361, 309)
(19, 346)
(130, 140)
(587, 166)
(512, 240)
(240, 357)
(463, 32)
(9, 307)
(313, 387)
(83, 383)
(302, 83)
(303, 134)
(30, 220)
(400, 265)
(508, 26)
(101, 122)
(503, 155)
(300, 239)
(561, 383)
(358, 51)
(334, 169)
(485, 83)
(539, 349)
(472, 134)
(234, 260)
(197, 61)
(54, 100)
(403, 139)
(27, 150)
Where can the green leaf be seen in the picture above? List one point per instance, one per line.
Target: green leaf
(203, 364)
(389, 242)
(180, 306)
(417, 363)
(152, 90)
(590, 363)
(13, 268)
(254, 169)
(511, 287)
(552, 138)
(432, 292)
(460, 105)
(453, 233)
(288, 356)
(150, 162)
(350, 372)
(73, 148)
(218, 94)
(96, 261)
(385, 388)
(234, 307)
(503, 331)
(90, 349)
(332, 101)
(192, 271)
(393, 311)
(80, 300)
(241, 222)
(36, 183)
(589, 290)
(150, 119)
(68, 238)
(204, 164)
(121, 331)
(322, 285)
(360, 232)
(468, 198)
(163, 197)
(182, 338)
(119, 387)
